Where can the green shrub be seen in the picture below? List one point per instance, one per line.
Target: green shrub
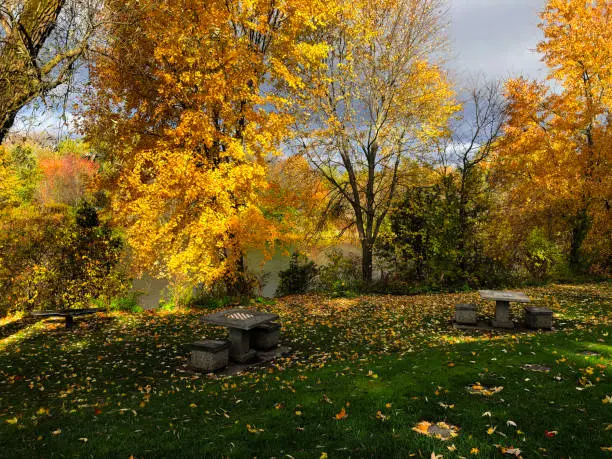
(298, 277)
(542, 256)
(167, 306)
(57, 257)
(265, 301)
(127, 303)
(341, 276)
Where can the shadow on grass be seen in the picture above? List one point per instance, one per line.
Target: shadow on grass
(16, 326)
(89, 323)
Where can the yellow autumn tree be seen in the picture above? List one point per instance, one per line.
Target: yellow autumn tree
(554, 161)
(381, 98)
(185, 111)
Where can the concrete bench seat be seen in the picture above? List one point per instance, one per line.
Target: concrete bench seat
(538, 317)
(465, 314)
(209, 355)
(265, 336)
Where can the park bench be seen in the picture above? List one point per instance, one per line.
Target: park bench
(68, 314)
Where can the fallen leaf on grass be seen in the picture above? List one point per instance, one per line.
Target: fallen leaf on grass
(12, 420)
(341, 415)
(439, 430)
(607, 399)
(510, 451)
(490, 430)
(606, 448)
(551, 434)
(381, 416)
(83, 439)
(474, 451)
(57, 432)
(477, 389)
(253, 429)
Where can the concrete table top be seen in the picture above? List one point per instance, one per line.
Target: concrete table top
(497, 295)
(242, 319)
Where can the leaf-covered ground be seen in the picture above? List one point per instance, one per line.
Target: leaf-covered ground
(364, 379)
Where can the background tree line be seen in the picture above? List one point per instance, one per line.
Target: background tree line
(213, 128)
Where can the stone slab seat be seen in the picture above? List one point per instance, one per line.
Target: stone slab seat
(209, 355)
(265, 336)
(538, 317)
(465, 314)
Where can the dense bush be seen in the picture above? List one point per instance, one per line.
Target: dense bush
(298, 277)
(542, 256)
(341, 276)
(420, 244)
(56, 258)
(434, 239)
(126, 303)
(55, 252)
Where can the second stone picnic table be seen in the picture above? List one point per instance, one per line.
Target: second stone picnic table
(240, 322)
(502, 305)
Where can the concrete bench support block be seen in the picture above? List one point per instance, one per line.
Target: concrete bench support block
(210, 355)
(538, 317)
(465, 314)
(266, 336)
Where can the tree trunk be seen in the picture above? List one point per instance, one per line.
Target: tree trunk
(580, 229)
(6, 123)
(463, 220)
(366, 260)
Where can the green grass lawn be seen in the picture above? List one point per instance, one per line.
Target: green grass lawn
(111, 387)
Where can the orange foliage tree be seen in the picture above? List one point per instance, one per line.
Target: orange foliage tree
(184, 109)
(554, 160)
(65, 179)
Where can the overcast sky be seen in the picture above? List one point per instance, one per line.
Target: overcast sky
(495, 37)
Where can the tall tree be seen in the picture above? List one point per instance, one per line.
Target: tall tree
(463, 153)
(558, 141)
(186, 113)
(40, 43)
(380, 97)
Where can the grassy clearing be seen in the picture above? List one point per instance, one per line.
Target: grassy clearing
(111, 388)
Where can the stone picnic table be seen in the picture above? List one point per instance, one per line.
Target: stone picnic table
(240, 322)
(502, 305)
(68, 314)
